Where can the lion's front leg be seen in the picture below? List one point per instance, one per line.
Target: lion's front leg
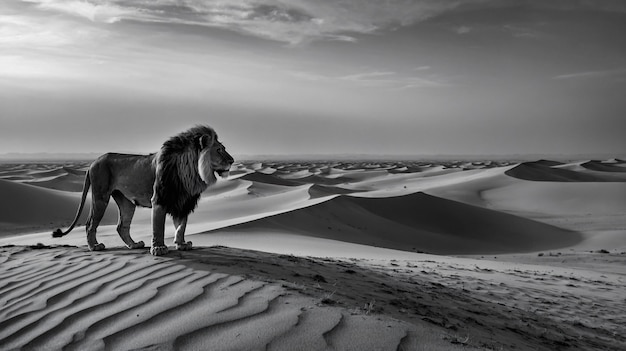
(179, 237)
(158, 231)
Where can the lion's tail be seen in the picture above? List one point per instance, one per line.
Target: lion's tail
(59, 233)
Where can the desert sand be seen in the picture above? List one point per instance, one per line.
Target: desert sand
(387, 255)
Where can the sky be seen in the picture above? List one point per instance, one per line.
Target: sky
(394, 77)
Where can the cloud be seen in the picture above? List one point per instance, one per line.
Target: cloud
(297, 21)
(293, 22)
(593, 5)
(463, 30)
(593, 74)
(367, 76)
(374, 79)
(22, 30)
(422, 68)
(416, 82)
(522, 32)
(101, 11)
(36, 33)
(391, 80)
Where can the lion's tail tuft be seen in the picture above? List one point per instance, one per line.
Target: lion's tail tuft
(58, 233)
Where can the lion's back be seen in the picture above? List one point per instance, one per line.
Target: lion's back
(131, 174)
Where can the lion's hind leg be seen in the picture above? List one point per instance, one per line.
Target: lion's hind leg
(98, 207)
(127, 211)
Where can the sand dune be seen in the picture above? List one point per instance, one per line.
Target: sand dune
(546, 163)
(34, 171)
(66, 182)
(56, 177)
(604, 166)
(69, 299)
(560, 199)
(469, 211)
(371, 218)
(269, 179)
(296, 174)
(62, 178)
(540, 172)
(417, 222)
(403, 184)
(10, 170)
(26, 208)
(54, 172)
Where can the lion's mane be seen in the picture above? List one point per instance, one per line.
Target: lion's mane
(178, 185)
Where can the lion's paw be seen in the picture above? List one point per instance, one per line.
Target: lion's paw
(137, 245)
(184, 246)
(159, 250)
(97, 247)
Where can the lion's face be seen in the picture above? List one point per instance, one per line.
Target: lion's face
(221, 160)
(214, 159)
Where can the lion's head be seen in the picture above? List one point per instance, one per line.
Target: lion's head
(213, 159)
(186, 165)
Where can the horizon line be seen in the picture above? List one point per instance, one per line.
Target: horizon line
(87, 156)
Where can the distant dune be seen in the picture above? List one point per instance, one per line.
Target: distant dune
(617, 166)
(417, 222)
(440, 208)
(269, 179)
(27, 208)
(539, 171)
(65, 182)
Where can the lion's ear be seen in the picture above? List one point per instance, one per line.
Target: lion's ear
(205, 141)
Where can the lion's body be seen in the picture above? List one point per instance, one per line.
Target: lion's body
(169, 182)
(131, 175)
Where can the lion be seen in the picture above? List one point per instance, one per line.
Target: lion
(169, 181)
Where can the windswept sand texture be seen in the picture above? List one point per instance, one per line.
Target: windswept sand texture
(535, 257)
(67, 298)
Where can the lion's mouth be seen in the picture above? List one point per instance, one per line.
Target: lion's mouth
(222, 172)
